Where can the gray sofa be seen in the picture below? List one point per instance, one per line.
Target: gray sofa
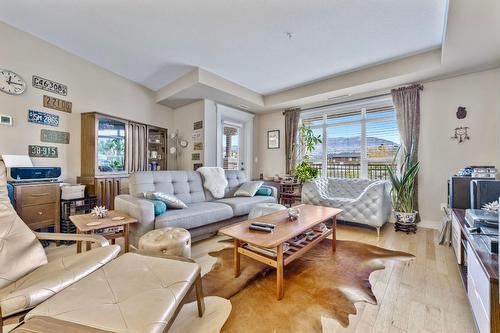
(204, 214)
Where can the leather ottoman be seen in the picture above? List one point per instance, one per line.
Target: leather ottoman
(167, 241)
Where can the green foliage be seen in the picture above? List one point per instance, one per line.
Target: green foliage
(304, 171)
(403, 186)
(308, 139)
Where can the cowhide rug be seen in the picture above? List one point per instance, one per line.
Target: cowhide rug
(319, 284)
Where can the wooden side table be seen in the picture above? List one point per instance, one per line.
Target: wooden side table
(85, 224)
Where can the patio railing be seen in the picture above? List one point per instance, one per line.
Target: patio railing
(344, 170)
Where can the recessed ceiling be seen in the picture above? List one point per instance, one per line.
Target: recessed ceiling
(153, 42)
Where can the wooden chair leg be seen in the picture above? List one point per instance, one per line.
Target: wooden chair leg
(199, 296)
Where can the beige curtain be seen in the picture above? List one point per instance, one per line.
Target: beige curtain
(292, 117)
(406, 101)
(137, 146)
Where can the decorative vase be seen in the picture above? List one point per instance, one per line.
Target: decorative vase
(405, 218)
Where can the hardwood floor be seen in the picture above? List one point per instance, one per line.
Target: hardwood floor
(424, 295)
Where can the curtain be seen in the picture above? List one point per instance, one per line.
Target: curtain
(137, 147)
(406, 101)
(292, 117)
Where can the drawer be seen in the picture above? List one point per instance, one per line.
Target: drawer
(38, 195)
(478, 292)
(38, 214)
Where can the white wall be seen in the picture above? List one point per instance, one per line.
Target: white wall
(184, 118)
(210, 126)
(441, 157)
(90, 88)
(270, 161)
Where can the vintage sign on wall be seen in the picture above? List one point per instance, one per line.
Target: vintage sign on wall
(54, 136)
(43, 118)
(198, 146)
(57, 104)
(198, 125)
(42, 151)
(49, 85)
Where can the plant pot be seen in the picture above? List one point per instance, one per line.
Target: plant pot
(405, 218)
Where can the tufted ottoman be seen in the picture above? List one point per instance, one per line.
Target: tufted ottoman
(264, 209)
(168, 241)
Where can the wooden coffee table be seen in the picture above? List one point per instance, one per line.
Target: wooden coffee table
(82, 227)
(285, 230)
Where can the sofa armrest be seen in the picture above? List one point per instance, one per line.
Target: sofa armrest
(99, 240)
(141, 209)
(273, 189)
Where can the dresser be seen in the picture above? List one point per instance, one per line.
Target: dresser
(38, 204)
(479, 271)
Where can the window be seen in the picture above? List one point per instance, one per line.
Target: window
(359, 139)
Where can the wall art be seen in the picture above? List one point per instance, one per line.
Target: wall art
(273, 139)
(197, 165)
(54, 136)
(461, 134)
(42, 151)
(43, 118)
(198, 146)
(49, 85)
(195, 157)
(198, 125)
(57, 104)
(461, 112)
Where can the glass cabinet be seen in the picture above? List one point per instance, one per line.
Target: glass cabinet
(111, 145)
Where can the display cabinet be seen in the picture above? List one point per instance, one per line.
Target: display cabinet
(157, 148)
(112, 148)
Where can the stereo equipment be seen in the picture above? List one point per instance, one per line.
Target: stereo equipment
(33, 174)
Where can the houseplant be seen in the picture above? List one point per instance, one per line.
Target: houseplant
(304, 170)
(403, 191)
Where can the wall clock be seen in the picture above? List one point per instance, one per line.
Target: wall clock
(11, 83)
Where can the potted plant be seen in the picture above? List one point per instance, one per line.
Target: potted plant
(305, 171)
(403, 191)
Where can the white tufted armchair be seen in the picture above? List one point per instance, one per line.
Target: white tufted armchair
(363, 201)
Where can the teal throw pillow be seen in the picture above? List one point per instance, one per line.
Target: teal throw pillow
(265, 191)
(160, 207)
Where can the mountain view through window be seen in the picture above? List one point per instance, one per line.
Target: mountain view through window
(356, 143)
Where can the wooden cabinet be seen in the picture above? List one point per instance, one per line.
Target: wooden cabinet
(38, 204)
(111, 149)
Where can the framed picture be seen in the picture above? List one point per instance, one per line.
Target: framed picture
(273, 139)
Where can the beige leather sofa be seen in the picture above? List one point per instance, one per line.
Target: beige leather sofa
(131, 293)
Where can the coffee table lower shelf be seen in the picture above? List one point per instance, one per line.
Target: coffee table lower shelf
(282, 258)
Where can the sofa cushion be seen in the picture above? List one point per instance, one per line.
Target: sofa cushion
(265, 191)
(160, 206)
(248, 189)
(195, 215)
(185, 185)
(132, 293)
(47, 280)
(242, 205)
(169, 199)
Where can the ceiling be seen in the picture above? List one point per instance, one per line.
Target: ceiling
(154, 42)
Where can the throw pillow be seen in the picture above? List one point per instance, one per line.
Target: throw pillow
(171, 200)
(160, 206)
(264, 191)
(248, 189)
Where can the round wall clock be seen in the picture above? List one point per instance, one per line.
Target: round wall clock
(11, 83)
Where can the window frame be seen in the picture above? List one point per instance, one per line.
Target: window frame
(362, 106)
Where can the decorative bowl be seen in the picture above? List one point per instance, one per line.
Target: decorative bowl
(293, 213)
